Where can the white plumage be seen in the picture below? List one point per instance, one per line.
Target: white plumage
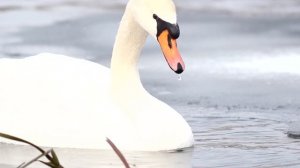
(59, 101)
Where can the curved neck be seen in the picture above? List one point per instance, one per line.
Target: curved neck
(127, 48)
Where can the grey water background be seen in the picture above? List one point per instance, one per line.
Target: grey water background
(240, 92)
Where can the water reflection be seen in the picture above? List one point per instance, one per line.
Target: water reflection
(13, 155)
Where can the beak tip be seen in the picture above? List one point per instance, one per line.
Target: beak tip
(180, 69)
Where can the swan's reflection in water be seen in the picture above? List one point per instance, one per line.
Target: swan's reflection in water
(12, 155)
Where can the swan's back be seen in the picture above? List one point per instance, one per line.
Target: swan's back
(41, 93)
(35, 79)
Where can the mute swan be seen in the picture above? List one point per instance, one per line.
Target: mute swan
(59, 101)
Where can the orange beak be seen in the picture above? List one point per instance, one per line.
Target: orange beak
(169, 48)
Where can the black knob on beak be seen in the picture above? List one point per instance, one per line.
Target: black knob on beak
(179, 69)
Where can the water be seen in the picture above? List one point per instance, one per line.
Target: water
(179, 77)
(240, 91)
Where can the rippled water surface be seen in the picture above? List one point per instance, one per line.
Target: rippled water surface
(240, 92)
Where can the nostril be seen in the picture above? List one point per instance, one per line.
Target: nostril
(179, 69)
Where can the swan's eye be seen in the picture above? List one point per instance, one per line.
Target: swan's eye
(162, 25)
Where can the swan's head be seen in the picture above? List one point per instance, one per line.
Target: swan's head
(158, 18)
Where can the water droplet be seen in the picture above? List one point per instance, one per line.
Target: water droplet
(179, 77)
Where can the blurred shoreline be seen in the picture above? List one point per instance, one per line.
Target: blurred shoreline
(232, 7)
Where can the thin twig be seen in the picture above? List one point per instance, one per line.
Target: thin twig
(118, 152)
(24, 141)
(24, 165)
(50, 155)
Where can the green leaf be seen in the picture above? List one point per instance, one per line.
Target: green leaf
(55, 158)
(53, 161)
(21, 140)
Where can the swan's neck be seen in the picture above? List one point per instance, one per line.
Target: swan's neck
(127, 48)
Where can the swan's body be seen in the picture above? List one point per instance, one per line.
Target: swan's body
(55, 100)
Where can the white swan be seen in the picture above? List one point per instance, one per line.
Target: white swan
(59, 101)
